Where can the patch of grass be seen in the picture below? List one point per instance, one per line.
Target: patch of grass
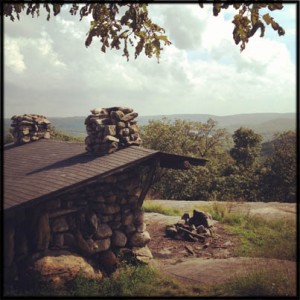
(128, 280)
(258, 236)
(151, 206)
(266, 238)
(222, 212)
(256, 284)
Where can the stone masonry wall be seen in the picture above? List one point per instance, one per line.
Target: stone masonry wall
(110, 129)
(30, 127)
(99, 217)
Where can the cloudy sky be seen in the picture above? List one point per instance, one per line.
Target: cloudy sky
(49, 71)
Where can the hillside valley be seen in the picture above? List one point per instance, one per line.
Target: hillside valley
(266, 124)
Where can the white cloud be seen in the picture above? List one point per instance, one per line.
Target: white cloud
(44, 45)
(13, 57)
(64, 78)
(70, 27)
(184, 24)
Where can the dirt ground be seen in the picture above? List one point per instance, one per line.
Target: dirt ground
(211, 262)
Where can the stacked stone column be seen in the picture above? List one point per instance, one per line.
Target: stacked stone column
(30, 127)
(110, 129)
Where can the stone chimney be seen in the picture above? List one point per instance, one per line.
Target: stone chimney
(30, 127)
(110, 129)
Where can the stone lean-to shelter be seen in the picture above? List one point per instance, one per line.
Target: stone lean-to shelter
(60, 198)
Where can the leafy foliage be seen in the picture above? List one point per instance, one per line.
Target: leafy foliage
(248, 20)
(184, 137)
(188, 138)
(128, 23)
(246, 147)
(279, 171)
(237, 174)
(113, 24)
(62, 136)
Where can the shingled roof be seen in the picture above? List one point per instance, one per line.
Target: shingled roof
(46, 168)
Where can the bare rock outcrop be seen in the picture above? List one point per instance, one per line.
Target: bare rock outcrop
(59, 270)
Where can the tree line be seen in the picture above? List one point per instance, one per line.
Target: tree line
(237, 169)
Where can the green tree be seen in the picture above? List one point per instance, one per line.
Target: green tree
(192, 139)
(279, 172)
(129, 23)
(184, 137)
(246, 148)
(241, 179)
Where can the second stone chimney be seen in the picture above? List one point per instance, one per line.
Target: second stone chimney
(110, 129)
(30, 127)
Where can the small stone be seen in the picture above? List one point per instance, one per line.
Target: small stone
(143, 254)
(138, 217)
(189, 249)
(97, 111)
(127, 219)
(140, 239)
(103, 231)
(59, 225)
(110, 138)
(115, 225)
(130, 229)
(201, 229)
(141, 228)
(171, 230)
(129, 117)
(107, 259)
(117, 115)
(92, 220)
(110, 130)
(133, 129)
(111, 199)
(119, 239)
(102, 245)
(121, 125)
(111, 209)
(100, 199)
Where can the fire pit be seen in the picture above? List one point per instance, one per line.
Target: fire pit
(195, 229)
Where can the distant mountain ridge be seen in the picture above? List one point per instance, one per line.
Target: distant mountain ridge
(266, 124)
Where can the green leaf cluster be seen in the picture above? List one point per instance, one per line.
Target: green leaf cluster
(248, 19)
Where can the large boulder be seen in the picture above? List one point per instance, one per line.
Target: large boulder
(59, 270)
